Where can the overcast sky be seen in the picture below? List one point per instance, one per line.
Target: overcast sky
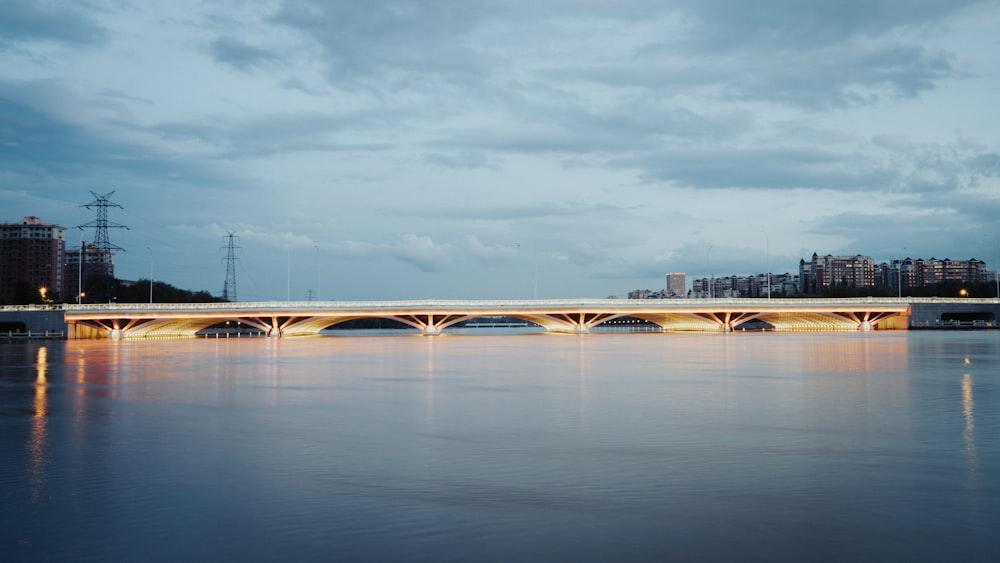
(507, 149)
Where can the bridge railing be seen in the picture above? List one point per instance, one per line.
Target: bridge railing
(472, 305)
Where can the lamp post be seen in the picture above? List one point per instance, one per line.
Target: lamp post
(318, 278)
(899, 273)
(79, 273)
(711, 278)
(534, 251)
(517, 256)
(150, 275)
(767, 253)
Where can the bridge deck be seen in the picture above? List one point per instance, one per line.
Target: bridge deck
(433, 316)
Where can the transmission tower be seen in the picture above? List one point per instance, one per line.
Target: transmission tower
(229, 290)
(101, 225)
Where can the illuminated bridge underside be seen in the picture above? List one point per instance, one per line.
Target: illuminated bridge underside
(432, 317)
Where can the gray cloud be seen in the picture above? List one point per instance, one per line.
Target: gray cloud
(779, 25)
(407, 41)
(422, 252)
(762, 168)
(241, 55)
(25, 21)
(427, 140)
(41, 150)
(280, 133)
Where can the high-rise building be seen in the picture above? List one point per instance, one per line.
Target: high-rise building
(31, 258)
(933, 271)
(825, 271)
(676, 284)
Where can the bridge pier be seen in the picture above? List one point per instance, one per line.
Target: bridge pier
(431, 330)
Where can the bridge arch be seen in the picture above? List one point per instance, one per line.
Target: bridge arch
(432, 317)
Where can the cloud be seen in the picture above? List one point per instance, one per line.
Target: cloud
(464, 159)
(761, 168)
(29, 21)
(241, 55)
(488, 253)
(53, 151)
(427, 140)
(986, 164)
(780, 25)
(281, 132)
(408, 41)
(422, 252)
(823, 76)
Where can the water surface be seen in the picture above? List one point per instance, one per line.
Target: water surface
(604, 447)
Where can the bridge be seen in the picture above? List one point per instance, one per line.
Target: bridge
(431, 317)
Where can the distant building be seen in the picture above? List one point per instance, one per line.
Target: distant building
(31, 255)
(899, 274)
(95, 263)
(934, 271)
(909, 273)
(649, 294)
(826, 271)
(743, 286)
(676, 284)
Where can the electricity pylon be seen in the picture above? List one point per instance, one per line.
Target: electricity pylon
(101, 224)
(229, 290)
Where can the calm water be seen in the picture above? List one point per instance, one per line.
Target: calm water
(606, 447)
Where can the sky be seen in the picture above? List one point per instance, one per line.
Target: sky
(510, 149)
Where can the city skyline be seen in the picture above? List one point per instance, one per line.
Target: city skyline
(481, 151)
(51, 262)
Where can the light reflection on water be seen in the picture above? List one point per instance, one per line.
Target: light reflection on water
(36, 443)
(500, 447)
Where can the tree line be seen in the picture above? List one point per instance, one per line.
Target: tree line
(107, 289)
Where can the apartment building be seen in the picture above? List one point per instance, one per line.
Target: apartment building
(31, 258)
(825, 271)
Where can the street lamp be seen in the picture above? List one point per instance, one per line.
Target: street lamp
(150, 275)
(767, 251)
(318, 279)
(899, 272)
(79, 273)
(711, 278)
(517, 256)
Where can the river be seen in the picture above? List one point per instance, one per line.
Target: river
(504, 447)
